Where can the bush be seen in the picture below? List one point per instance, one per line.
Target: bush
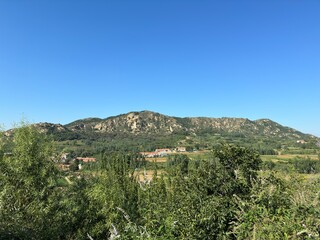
(307, 166)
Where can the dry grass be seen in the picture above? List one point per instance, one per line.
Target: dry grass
(157, 159)
(147, 175)
(276, 158)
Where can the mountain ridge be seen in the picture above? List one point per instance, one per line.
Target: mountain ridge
(147, 123)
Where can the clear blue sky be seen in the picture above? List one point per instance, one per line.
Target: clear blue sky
(64, 60)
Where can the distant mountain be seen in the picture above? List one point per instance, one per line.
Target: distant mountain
(147, 122)
(152, 125)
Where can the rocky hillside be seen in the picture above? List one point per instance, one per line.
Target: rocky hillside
(135, 122)
(147, 122)
(156, 124)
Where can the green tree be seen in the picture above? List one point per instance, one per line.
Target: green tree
(240, 163)
(179, 162)
(27, 177)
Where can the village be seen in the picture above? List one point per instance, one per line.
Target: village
(162, 152)
(67, 162)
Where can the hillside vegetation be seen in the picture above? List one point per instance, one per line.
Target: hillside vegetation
(147, 131)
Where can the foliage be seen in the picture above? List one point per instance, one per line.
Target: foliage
(179, 161)
(307, 166)
(27, 177)
(279, 209)
(296, 164)
(224, 196)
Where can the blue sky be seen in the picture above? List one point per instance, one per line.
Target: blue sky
(64, 60)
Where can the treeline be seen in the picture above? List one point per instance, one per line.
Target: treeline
(206, 138)
(296, 165)
(221, 197)
(117, 142)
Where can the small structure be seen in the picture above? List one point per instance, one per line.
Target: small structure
(64, 157)
(149, 154)
(181, 149)
(163, 151)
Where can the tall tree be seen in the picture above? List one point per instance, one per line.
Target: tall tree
(27, 176)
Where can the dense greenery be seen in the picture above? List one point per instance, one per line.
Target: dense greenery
(95, 143)
(91, 143)
(223, 196)
(154, 130)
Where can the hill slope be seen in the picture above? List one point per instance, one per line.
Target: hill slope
(149, 130)
(147, 122)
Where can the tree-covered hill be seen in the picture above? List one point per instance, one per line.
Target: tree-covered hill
(147, 130)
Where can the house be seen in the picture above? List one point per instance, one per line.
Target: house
(163, 151)
(157, 153)
(301, 141)
(149, 154)
(181, 149)
(144, 153)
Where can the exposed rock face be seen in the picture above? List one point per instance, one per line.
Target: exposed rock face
(43, 128)
(147, 122)
(86, 124)
(50, 127)
(139, 122)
